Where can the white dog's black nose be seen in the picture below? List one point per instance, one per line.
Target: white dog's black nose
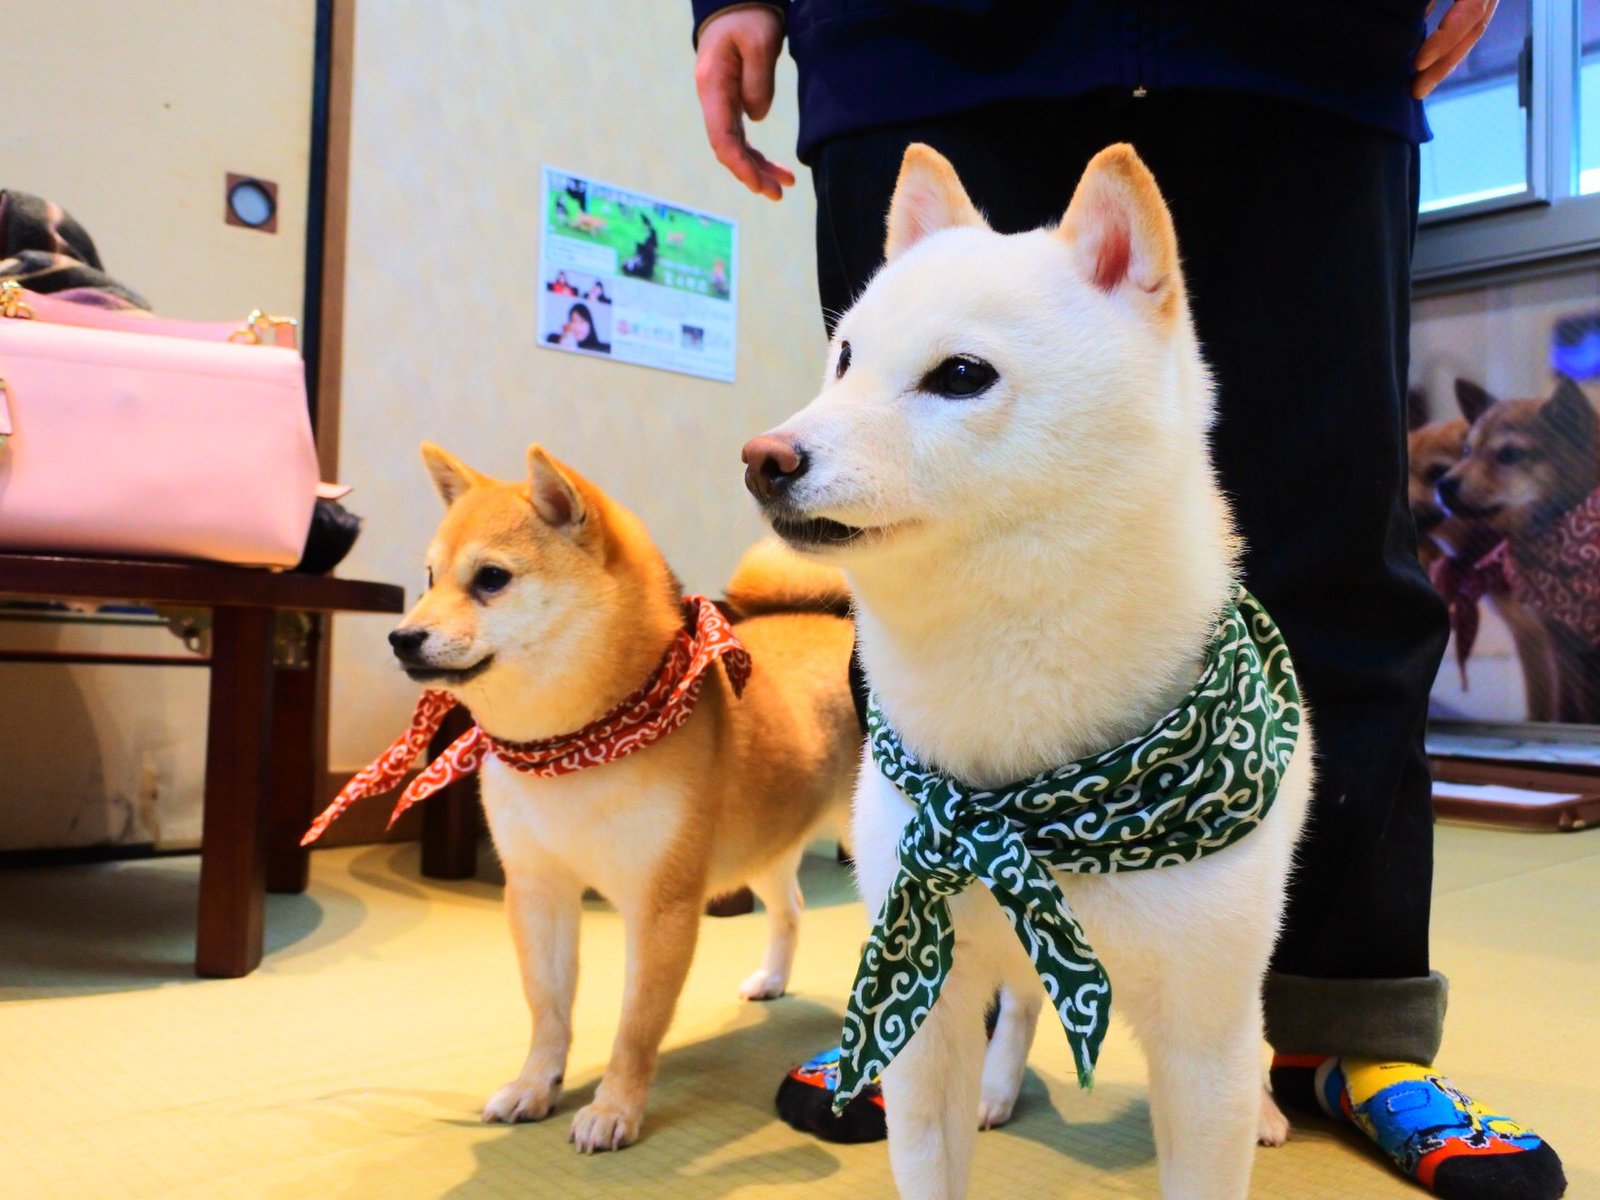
(407, 642)
(771, 465)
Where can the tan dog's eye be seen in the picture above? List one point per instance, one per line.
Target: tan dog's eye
(490, 580)
(1509, 456)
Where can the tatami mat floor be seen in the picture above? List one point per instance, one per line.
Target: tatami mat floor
(353, 1063)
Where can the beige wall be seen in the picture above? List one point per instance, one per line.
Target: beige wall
(130, 115)
(456, 108)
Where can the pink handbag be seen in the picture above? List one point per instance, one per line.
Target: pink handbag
(133, 435)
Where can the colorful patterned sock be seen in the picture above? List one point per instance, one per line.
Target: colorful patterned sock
(1432, 1130)
(805, 1097)
(805, 1102)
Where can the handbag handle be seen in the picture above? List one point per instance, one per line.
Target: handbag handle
(258, 329)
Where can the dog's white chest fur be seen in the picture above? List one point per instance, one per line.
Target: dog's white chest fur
(608, 825)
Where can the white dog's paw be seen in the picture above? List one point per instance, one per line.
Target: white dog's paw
(995, 1106)
(604, 1126)
(1273, 1127)
(763, 985)
(522, 1100)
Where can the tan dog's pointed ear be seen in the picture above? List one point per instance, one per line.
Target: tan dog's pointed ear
(555, 498)
(1121, 232)
(1472, 399)
(928, 197)
(1569, 415)
(451, 476)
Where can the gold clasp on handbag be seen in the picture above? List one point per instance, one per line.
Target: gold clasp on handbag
(11, 302)
(261, 328)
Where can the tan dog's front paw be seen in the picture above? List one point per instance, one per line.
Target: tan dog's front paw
(1273, 1127)
(604, 1126)
(522, 1100)
(763, 985)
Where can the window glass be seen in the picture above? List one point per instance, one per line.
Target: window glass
(1589, 97)
(1479, 149)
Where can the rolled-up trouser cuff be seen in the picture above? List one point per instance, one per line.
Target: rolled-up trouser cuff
(1395, 1020)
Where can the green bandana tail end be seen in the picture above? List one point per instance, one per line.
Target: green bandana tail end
(889, 1000)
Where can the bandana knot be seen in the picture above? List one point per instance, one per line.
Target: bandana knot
(662, 704)
(1555, 572)
(1197, 781)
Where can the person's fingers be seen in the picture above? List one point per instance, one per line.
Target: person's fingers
(716, 78)
(1463, 24)
(1435, 74)
(775, 170)
(759, 69)
(733, 153)
(731, 83)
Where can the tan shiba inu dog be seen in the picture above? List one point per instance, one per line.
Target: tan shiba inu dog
(1008, 460)
(547, 605)
(1435, 449)
(1432, 448)
(1527, 463)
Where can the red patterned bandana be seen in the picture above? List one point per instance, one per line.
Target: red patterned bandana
(1556, 573)
(649, 714)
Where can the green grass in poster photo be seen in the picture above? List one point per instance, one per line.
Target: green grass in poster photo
(689, 252)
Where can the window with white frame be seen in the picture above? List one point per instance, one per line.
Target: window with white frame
(1512, 175)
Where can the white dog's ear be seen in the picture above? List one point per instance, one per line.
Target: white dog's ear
(1121, 232)
(928, 197)
(554, 497)
(451, 476)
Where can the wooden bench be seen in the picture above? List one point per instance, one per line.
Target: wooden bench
(266, 738)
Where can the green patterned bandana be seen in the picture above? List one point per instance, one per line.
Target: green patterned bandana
(1197, 781)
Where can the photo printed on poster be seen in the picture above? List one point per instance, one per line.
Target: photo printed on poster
(637, 278)
(1505, 494)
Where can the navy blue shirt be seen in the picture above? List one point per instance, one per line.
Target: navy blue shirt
(868, 63)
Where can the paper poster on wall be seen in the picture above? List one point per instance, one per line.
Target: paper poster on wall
(636, 278)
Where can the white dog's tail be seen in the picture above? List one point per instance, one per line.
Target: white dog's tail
(771, 578)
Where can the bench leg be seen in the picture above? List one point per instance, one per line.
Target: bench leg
(232, 853)
(450, 816)
(299, 761)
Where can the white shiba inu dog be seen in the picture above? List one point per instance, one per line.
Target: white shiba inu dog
(1009, 461)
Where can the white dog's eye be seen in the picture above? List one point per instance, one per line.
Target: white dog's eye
(844, 361)
(959, 377)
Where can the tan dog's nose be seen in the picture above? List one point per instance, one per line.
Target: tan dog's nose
(771, 465)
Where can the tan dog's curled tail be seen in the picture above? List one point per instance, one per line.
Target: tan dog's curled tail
(771, 578)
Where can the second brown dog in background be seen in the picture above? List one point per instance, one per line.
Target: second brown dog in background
(1529, 474)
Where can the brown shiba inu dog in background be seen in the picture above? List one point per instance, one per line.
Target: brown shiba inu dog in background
(548, 604)
(1433, 448)
(1525, 462)
(1529, 467)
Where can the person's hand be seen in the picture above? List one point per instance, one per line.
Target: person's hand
(1447, 45)
(734, 74)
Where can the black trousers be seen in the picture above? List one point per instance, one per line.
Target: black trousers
(1295, 229)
